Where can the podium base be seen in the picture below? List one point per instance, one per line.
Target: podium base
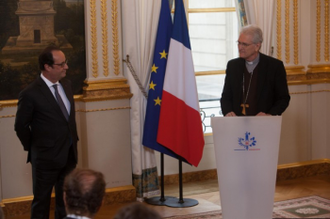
(184, 203)
(172, 202)
(159, 200)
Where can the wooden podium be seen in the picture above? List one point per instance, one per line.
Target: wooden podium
(246, 150)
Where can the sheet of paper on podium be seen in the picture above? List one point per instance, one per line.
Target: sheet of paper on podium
(246, 150)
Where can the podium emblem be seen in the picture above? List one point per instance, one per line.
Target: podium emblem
(247, 143)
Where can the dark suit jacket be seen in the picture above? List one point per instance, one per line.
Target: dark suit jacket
(42, 128)
(272, 89)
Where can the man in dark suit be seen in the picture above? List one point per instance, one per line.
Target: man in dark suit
(46, 126)
(255, 84)
(84, 190)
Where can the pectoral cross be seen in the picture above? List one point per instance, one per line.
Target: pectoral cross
(243, 110)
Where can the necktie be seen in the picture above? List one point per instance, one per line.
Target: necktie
(60, 103)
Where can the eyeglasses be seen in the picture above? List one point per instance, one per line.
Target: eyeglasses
(62, 64)
(243, 44)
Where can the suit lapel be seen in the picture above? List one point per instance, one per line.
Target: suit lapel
(44, 89)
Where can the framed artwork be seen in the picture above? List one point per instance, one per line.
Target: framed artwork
(26, 28)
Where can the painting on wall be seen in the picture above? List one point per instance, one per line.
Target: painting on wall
(26, 28)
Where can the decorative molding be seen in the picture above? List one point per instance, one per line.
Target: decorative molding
(8, 103)
(303, 169)
(106, 90)
(287, 31)
(326, 30)
(115, 38)
(318, 30)
(105, 109)
(104, 19)
(7, 116)
(295, 73)
(295, 32)
(318, 69)
(94, 39)
(279, 29)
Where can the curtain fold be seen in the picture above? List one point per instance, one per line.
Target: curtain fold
(260, 13)
(140, 20)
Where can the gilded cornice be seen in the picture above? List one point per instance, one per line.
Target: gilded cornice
(106, 90)
(318, 69)
(320, 72)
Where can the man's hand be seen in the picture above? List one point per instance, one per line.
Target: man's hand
(230, 114)
(263, 114)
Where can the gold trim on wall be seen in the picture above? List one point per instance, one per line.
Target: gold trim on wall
(104, 109)
(106, 90)
(104, 19)
(295, 32)
(318, 30)
(279, 29)
(318, 69)
(203, 10)
(326, 30)
(115, 38)
(94, 39)
(295, 73)
(287, 31)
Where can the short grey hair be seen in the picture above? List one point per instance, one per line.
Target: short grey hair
(254, 31)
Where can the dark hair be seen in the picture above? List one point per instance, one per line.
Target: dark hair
(46, 56)
(84, 191)
(137, 210)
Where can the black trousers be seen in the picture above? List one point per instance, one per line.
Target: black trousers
(43, 182)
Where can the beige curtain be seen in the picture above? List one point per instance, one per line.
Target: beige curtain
(140, 20)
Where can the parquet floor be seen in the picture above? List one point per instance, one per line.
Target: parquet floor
(207, 194)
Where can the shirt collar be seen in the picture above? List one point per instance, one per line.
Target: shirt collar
(48, 82)
(77, 217)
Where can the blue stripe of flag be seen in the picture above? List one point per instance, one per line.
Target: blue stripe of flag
(180, 27)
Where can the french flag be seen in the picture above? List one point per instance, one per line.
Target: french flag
(180, 125)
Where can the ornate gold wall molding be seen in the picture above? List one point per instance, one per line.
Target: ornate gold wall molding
(279, 29)
(287, 31)
(295, 73)
(295, 33)
(100, 86)
(103, 29)
(106, 90)
(104, 19)
(318, 69)
(318, 30)
(104, 109)
(320, 73)
(93, 38)
(115, 38)
(326, 30)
